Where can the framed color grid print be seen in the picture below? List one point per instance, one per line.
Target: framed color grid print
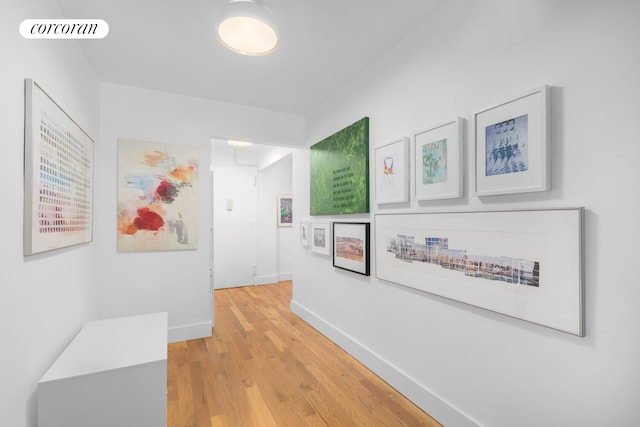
(58, 176)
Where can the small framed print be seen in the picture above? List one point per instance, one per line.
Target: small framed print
(438, 161)
(285, 210)
(351, 247)
(392, 172)
(511, 143)
(321, 238)
(304, 234)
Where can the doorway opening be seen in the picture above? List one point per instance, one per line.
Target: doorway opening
(248, 246)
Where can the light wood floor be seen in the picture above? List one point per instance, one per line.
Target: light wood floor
(264, 366)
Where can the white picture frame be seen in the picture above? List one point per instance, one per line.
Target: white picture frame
(526, 264)
(392, 172)
(321, 238)
(511, 145)
(58, 176)
(284, 213)
(304, 234)
(438, 157)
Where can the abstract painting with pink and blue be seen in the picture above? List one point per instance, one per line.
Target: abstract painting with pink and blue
(157, 196)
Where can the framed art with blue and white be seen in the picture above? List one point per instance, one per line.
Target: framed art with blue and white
(439, 160)
(511, 144)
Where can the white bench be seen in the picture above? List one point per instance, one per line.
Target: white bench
(112, 374)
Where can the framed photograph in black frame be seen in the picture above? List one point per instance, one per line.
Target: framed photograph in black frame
(351, 246)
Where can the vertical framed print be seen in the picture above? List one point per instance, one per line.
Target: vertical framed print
(438, 161)
(58, 176)
(392, 172)
(304, 234)
(285, 210)
(321, 238)
(511, 144)
(157, 196)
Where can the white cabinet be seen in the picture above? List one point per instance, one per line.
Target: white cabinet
(113, 374)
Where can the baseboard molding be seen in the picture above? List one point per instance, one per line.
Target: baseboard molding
(419, 394)
(266, 280)
(284, 276)
(190, 332)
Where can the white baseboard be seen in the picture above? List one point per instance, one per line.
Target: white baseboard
(190, 332)
(284, 276)
(419, 394)
(266, 280)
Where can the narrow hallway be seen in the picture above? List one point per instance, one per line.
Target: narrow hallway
(264, 366)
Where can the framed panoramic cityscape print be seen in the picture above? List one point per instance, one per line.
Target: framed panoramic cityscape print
(525, 264)
(512, 145)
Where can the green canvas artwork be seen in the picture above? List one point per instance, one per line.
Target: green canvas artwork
(340, 172)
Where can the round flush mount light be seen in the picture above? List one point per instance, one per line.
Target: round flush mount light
(234, 143)
(247, 27)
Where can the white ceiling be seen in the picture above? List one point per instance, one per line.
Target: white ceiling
(170, 45)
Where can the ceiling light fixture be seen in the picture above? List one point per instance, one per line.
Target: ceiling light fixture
(247, 27)
(239, 143)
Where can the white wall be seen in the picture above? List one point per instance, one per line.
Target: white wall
(44, 299)
(267, 271)
(465, 365)
(287, 236)
(177, 282)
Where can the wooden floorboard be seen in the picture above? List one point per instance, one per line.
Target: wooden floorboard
(264, 366)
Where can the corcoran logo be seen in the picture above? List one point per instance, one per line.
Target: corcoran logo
(64, 29)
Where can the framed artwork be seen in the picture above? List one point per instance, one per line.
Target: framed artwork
(438, 161)
(526, 264)
(351, 246)
(285, 210)
(304, 234)
(511, 143)
(340, 172)
(392, 172)
(157, 196)
(321, 238)
(58, 176)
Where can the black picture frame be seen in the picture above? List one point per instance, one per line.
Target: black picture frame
(351, 247)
